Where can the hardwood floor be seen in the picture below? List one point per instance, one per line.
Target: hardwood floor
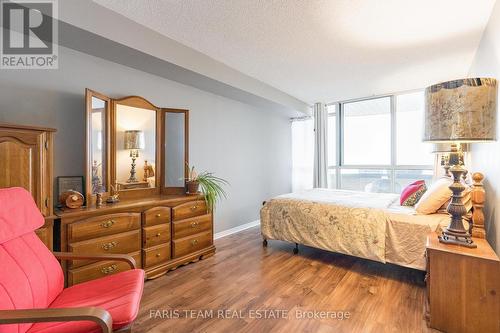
(245, 279)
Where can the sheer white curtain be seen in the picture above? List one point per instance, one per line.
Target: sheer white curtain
(320, 146)
(302, 154)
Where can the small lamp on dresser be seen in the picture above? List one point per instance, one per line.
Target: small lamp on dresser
(134, 141)
(457, 112)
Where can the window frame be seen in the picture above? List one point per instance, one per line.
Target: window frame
(393, 167)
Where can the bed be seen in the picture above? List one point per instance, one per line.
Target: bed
(367, 225)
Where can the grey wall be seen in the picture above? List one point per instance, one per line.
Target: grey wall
(249, 147)
(486, 157)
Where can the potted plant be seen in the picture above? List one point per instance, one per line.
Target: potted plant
(211, 186)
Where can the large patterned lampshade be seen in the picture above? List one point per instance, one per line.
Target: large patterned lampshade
(461, 111)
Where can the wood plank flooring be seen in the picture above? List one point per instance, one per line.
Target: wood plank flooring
(245, 280)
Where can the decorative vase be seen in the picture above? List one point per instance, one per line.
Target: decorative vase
(192, 187)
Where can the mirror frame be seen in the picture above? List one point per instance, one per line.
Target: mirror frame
(137, 102)
(90, 197)
(167, 189)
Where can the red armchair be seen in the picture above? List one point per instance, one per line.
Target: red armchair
(32, 294)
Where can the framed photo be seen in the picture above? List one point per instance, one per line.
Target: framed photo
(66, 183)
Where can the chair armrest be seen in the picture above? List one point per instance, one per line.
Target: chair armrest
(98, 315)
(118, 257)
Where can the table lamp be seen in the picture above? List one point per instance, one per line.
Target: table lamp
(456, 112)
(134, 140)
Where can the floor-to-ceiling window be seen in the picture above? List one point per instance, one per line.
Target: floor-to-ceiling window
(374, 144)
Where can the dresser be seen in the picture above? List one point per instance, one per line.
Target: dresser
(463, 287)
(161, 233)
(26, 154)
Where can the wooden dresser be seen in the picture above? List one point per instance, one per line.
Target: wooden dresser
(463, 287)
(161, 233)
(26, 155)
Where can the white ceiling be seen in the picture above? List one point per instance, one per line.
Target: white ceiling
(319, 50)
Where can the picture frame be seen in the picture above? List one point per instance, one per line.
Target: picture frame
(66, 183)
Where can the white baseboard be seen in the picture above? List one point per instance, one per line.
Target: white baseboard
(236, 229)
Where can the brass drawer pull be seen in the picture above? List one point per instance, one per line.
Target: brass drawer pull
(158, 255)
(108, 224)
(158, 234)
(194, 242)
(109, 246)
(109, 269)
(158, 215)
(193, 208)
(194, 224)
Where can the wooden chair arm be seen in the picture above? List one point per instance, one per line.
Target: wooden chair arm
(118, 257)
(98, 315)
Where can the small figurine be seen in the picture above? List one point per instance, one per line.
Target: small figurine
(148, 171)
(113, 197)
(98, 199)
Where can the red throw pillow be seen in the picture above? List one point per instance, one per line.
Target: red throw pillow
(412, 193)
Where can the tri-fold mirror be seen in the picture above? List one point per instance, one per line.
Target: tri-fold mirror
(134, 147)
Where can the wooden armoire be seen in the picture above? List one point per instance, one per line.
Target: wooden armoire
(26, 160)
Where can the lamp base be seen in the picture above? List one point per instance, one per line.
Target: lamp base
(455, 233)
(450, 237)
(132, 178)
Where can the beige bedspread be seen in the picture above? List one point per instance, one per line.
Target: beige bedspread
(406, 235)
(366, 225)
(347, 222)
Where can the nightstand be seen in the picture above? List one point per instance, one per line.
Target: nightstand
(463, 287)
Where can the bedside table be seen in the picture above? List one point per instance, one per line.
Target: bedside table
(463, 287)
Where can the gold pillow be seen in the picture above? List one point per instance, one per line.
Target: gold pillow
(435, 197)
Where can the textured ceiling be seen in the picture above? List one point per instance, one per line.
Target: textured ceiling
(325, 50)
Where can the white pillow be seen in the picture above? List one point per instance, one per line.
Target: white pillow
(435, 197)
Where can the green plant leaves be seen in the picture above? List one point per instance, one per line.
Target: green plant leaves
(212, 188)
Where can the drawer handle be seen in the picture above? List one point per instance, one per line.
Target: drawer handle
(109, 269)
(109, 246)
(158, 234)
(194, 242)
(108, 224)
(158, 215)
(194, 224)
(158, 255)
(194, 208)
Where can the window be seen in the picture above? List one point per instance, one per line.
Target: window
(377, 143)
(332, 146)
(302, 154)
(374, 145)
(367, 132)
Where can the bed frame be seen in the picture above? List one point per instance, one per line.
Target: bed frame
(476, 220)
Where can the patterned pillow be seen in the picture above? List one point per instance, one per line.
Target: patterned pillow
(412, 193)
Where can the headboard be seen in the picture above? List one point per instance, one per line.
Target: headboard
(476, 228)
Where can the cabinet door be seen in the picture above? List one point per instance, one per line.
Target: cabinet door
(23, 163)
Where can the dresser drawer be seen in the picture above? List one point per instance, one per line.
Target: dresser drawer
(191, 244)
(103, 225)
(156, 235)
(100, 269)
(156, 255)
(156, 215)
(126, 242)
(192, 226)
(189, 209)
